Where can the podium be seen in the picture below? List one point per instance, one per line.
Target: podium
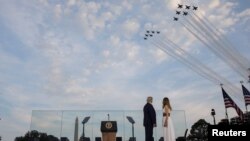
(108, 129)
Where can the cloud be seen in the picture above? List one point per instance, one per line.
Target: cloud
(71, 2)
(159, 55)
(172, 4)
(223, 13)
(244, 18)
(86, 55)
(28, 21)
(214, 4)
(130, 27)
(85, 18)
(58, 11)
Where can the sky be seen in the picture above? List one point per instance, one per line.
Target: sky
(91, 55)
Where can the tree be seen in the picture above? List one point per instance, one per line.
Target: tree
(199, 131)
(43, 137)
(35, 135)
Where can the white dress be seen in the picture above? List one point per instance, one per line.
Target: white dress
(168, 132)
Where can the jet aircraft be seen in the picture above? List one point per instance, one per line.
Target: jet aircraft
(187, 7)
(185, 13)
(180, 5)
(195, 7)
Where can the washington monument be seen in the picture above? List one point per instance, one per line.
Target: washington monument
(76, 130)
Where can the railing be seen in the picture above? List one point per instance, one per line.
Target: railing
(62, 123)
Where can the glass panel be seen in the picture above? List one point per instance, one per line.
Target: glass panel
(63, 123)
(47, 122)
(69, 120)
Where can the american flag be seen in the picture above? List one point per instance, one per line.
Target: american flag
(246, 94)
(228, 101)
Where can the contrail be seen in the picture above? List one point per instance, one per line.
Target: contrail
(213, 39)
(223, 49)
(172, 49)
(235, 53)
(213, 44)
(205, 32)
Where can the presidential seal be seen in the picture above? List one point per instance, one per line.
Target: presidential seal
(108, 125)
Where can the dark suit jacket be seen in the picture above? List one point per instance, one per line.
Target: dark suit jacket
(149, 115)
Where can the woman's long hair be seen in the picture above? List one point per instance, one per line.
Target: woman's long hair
(166, 102)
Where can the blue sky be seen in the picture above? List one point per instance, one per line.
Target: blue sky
(78, 54)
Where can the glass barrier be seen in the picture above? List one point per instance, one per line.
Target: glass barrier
(68, 124)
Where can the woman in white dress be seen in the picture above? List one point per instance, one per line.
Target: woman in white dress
(168, 128)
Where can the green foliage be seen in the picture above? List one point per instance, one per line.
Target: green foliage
(199, 131)
(35, 135)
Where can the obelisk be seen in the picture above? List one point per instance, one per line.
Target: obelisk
(76, 130)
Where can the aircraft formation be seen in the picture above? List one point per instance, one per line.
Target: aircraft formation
(207, 33)
(185, 11)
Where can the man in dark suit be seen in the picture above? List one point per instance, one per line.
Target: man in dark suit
(149, 119)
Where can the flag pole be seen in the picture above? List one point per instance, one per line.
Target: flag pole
(243, 92)
(246, 108)
(225, 107)
(249, 83)
(249, 76)
(226, 114)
